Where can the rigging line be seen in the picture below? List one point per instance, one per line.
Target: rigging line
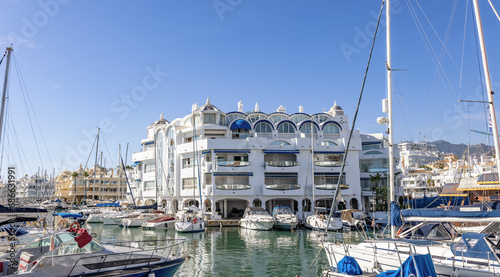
(402, 115)
(441, 59)
(28, 112)
(14, 133)
(432, 53)
(107, 149)
(463, 48)
(90, 154)
(33, 110)
(3, 57)
(337, 189)
(491, 4)
(435, 32)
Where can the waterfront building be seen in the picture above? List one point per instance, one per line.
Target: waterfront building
(84, 184)
(417, 154)
(238, 159)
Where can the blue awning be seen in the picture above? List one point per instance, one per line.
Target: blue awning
(231, 151)
(205, 151)
(371, 142)
(281, 175)
(233, 173)
(66, 215)
(114, 204)
(135, 164)
(281, 152)
(241, 124)
(329, 152)
(148, 143)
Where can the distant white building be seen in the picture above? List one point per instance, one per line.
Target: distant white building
(238, 159)
(417, 154)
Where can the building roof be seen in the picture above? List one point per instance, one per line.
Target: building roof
(451, 190)
(472, 183)
(488, 178)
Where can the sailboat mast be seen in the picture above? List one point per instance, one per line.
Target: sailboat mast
(487, 80)
(4, 94)
(95, 164)
(389, 114)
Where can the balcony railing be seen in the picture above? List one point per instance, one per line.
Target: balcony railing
(282, 186)
(282, 163)
(328, 163)
(233, 186)
(233, 163)
(331, 186)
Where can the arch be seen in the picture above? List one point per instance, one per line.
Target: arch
(256, 116)
(328, 143)
(331, 122)
(279, 142)
(232, 116)
(262, 126)
(277, 117)
(299, 117)
(240, 124)
(321, 117)
(257, 202)
(306, 129)
(286, 127)
(354, 203)
(306, 205)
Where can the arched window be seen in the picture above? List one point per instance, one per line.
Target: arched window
(233, 116)
(373, 153)
(306, 128)
(254, 117)
(275, 118)
(320, 118)
(297, 118)
(331, 128)
(263, 127)
(327, 143)
(354, 203)
(257, 202)
(286, 128)
(279, 142)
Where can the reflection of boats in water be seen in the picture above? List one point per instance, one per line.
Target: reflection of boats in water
(255, 237)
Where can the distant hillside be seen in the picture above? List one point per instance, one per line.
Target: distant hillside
(460, 149)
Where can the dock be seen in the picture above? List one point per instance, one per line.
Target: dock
(223, 222)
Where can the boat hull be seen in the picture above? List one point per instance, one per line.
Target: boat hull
(257, 225)
(159, 225)
(189, 227)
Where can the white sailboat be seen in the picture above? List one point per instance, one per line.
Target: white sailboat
(472, 255)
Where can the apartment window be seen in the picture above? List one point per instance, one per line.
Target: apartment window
(209, 118)
(188, 162)
(149, 168)
(371, 146)
(189, 183)
(149, 186)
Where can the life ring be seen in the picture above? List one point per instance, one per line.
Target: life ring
(399, 232)
(63, 223)
(75, 223)
(41, 222)
(195, 220)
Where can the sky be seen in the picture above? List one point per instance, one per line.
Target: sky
(79, 65)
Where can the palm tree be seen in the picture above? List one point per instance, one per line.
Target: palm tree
(74, 174)
(379, 193)
(86, 175)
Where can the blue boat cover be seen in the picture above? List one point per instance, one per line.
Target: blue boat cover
(66, 215)
(349, 266)
(241, 124)
(115, 204)
(442, 213)
(473, 245)
(421, 263)
(433, 202)
(395, 215)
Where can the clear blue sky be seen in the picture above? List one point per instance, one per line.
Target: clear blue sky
(82, 60)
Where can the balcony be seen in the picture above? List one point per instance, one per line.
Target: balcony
(232, 186)
(282, 186)
(331, 186)
(233, 163)
(328, 163)
(282, 163)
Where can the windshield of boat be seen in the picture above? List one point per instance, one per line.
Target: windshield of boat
(282, 210)
(70, 246)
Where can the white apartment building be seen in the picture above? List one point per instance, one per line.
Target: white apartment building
(236, 159)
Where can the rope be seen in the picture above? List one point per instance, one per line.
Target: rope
(337, 189)
(491, 4)
(3, 57)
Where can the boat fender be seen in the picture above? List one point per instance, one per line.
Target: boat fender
(195, 220)
(151, 274)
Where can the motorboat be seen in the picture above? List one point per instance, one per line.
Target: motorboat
(164, 222)
(138, 220)
(256, 218)
(189, 221)
(320, 220)
(76, 253)
(353, 219)
(284, 218)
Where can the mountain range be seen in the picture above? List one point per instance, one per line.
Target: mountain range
(460, 149)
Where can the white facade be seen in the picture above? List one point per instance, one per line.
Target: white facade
(240, 159)
(417, 154)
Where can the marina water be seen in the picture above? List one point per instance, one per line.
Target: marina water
(231, 251)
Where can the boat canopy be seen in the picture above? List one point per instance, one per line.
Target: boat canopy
(474, 245)
(416, 265)
(349, 266)
(68, 215)
(115, 204)
(439, 215)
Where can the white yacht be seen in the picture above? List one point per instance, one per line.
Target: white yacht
(284, 218)
(256, 218)
(138, 220)
(188, 221)
(319, 220)
(165, 222)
